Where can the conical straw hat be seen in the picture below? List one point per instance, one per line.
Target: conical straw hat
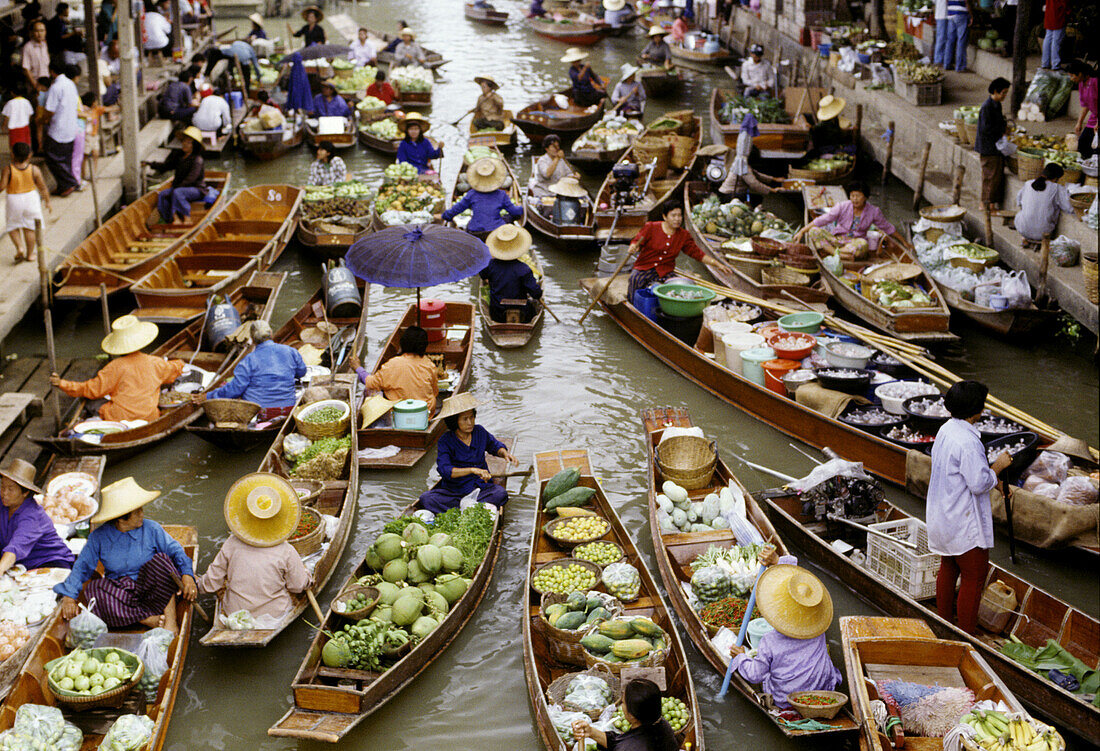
(573, 54)
(459, 403)
(1074, 447)
(262, 509)
(128, 334)
(569, 187)
(320, 13)
(656, 31)
(829, 107)
(508, 242)
(486, 174)
(120, 498)
(21, 472)
(794, 601)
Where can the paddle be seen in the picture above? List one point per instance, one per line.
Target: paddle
(463, 117)
(202, 330)
(547, 309)
(194, 603)
(741, 634)
(761, 468)
(313, 604)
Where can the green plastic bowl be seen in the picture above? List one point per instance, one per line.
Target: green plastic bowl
(804, 323)
(675, 306)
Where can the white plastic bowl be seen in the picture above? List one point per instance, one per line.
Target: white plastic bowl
(858, 361)
(892, 394)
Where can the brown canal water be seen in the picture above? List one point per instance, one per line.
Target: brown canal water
(572, 387)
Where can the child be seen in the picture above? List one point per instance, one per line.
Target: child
(42, 86)
(17, 114)
(20, 179)
(90, 112)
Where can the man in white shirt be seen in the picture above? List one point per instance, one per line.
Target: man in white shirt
(158, 31)
(36, 55)
(62, 101)
(213, 113)
(757, 74)
(362, 51)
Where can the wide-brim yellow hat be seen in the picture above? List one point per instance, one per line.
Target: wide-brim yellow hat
(569, 187)
(508, 242)
(262, 509)
(794, 602)
(128, 334)
(486, 174)
(120, 498)
(459, 403)
(573, 54)
(257, 19)
(487, 79)
(415, 118)
(320, 13)
(193, 133)
(614, 4)
(21, 472)
(829, 107)
(656, 31)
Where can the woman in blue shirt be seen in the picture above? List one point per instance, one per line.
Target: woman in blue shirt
(329, 103)
(141, 565)
(414, 148)
(461, 460)
(588, 88)
(27, 534)
(508, 277)
(266, 376)
(486, 199)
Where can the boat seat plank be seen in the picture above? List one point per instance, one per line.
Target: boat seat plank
(16, 407)
(871, 627)
(928, 675)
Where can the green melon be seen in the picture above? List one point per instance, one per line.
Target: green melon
(395, 571)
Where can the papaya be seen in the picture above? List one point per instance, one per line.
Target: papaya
(565, 480)
(597, 643)
(577, 601)
(594, 601)
(631, 649)
(574, 497)
(616, 629)
(612, 657)
(646, 627)
(598, 615)
(573, 511)
(571, 621)
(555, 611)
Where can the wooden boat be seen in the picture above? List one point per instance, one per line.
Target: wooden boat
(696, 58)
(213, 143)
(257, 299)
(789, 141)
(505, 139)
(130, 244)
(337, 498)
(515, 192)
(267, 145)
(432, 59)
(485, 16)
(1039, 615)
(659, 82)
(539, 665)
(592, 159)
(330, 702)
(509, 335)
(746, 274)
(540, 217)
(339, 141)
(546, 117)
(455, 352)
(377, 143)
(1016, 324)
(675, 552)
(376, 223)
(623, 223)
(411, 99)
(882, 649)
(927, 324)
(329, 239)
(569, 31)
(247, 235)
(30, 687)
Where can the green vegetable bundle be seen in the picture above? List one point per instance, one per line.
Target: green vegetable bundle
(765, 110)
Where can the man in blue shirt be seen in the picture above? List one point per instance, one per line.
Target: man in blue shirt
(509, 278)
(265, 376)
(176, 101)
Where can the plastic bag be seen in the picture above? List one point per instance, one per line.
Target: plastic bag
(1016, 290)
(588, 692)
(1005, 146)
(86, 627)
(622, 580)
(711, 583)
(293, 446)
(563, 720)
(39, 722)
(1077, 491)
(129, 733)
(153, 653)
(880, 75)
(1049, 466)
(1064, 251)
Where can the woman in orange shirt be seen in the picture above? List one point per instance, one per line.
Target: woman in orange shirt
(410, 375)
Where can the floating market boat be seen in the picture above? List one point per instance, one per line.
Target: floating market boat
(334, 216)
(659, 82)
(376, 141)
(476, 148)
(341, 140)
(130, 244)
(453, 355)
(213, 142)
(511, 334)
(789, 141)
(337, 498)
(767, 278)
(432, 59)
(267, 145)
(418, 200)
(248, 235)
(115, 440)
(505, 138)
(622, 221)
(692, 56)
(604, 143)
(560, 224)
(676, 550)
(485, 16)
(1039, 616)
(31, 685)
(877, 650)
(569, 31)
(559, 115)
(542, 655)
(412, 95)
(330, 701)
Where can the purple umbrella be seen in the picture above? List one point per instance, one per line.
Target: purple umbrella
(298, 94)
(417, 256)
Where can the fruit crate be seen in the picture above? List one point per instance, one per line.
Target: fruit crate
(920, 94)
(912, 572)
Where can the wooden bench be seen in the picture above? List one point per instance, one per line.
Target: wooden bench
(17, 407)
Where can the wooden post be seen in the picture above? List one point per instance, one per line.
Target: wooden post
(1044, 264)
(889, 152)
(920, 181)
(956, 192)
(91, 47)
(177, 30)
(88, 165)
(857, 131)
(988, 226)
(40, 254)
(105, 308)
(748, 38)
(130, 59)
(1019, 53)
(55, 398)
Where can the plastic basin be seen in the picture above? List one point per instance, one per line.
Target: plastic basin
(805, 323)
(752, 363)
(847, 355)
(676, 306)
(774, 370)
(792, 346)
(737, 343)
(893, 393)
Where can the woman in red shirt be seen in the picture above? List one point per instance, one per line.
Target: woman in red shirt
(658, 245)
(381, 90)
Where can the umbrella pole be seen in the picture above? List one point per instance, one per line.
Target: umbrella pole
(418, 306)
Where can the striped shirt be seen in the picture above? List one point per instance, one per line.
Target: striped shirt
(956, 8)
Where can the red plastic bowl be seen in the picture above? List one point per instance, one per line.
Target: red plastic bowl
(790, 351)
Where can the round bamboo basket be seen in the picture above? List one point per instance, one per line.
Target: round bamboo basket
(113, 698)
(551, 528)
(682, 150)
(557, 690)
(1029, 165)
(604, 542)
(1070, 177)
(565, 644)
(234, 411)
(687, 460)
(565, 563)
(815, 711)
(1088, 271)
(783, 275)
(317, 430)
(307, 490)
(762, 246)
(648, 148)
(943, 214)
(355, 615)
(309, 543)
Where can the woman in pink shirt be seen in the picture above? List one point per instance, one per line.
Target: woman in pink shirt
(849, 220)
(1085, 128)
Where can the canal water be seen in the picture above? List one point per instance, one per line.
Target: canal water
(573, 386)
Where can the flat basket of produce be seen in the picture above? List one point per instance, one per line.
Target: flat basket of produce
(727, 612)
(815, 705)
(309, 535)
(976, 258)
(626, 642)
(355, 602)
(230, 411)
(581, 692)
(687, 460)
(947, 214)
(571, 531)
(600, 552)
(324, 419)
(808, 174)
(565, 575)
(307, 490)
(566, 619)
(74, 677)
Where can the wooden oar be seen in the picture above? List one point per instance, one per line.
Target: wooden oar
(868, 530)
(194, 603)
(456, 122)
(316, 608)
(202, 330)
(547, 309)
(516, 473)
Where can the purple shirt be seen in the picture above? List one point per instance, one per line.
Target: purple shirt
(842, 217)
(31, 535)
(453, 453)
(959, 514)
(1087, 90)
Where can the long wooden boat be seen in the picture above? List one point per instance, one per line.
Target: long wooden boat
(746, 272)
(509, 335)
(789, 141)
(568, 31)
(505, 138)
(247, 235)
(130, 244)
(927, 324)
(257, 299)
(338, 498)
(591, 159)
(546, 117)
(698, 59)
(485, 16)
(339, 141)
(659, 82)
(213, 143)
(456, 355)
(675, 552)
(328, 239)
(883, 649)
(540, 217)
(377, 143)
(432, 59)
(30, 688)
(1039, 615)
(330, 702)
(623, 223)
(539, 665)
(267, 145)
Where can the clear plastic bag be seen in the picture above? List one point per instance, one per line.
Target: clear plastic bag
(1016, 289)
(86, 627)
(622, 580)
(588, 692)
(1065, 251)
(293, 446)
(1049, 466)
(153, 653)
(1077, 491)
(39, 723)
(563, 720)
(129, 733)
(711, 583)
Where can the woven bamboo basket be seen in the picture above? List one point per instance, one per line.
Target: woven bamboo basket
(808, 174)
(1029, 165)
(566, 562)
(762, 246)
(682, 150)
(551, 528)
(1088, 270)
(648, 148)
(1070, 177)
(565, 645)
(317, 430)
(356, 615)
(557, 690)
(604, 542)
(307, 490)
(655, 659)
(113, 698)
(944, 214)
(687, 460)
(815, 711)
(783, 275)
(233, 411)
(960, 131)
(309, 543)
(686, 118)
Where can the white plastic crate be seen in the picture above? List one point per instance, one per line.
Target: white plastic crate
(912, 572)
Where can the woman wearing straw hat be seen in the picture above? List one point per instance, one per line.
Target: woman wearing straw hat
(510, 278)
(131, 381)
(829, 130)
(489, 110)
(461, 461)
(408, 52)
(312, 32)
(551, 167)
(188, 178)
(616, 13)
(486, 198)
(657, 53)
(143, 567)
(257, 570)
(629, 94)
(588, 88)
(847, 220)
(328, 102)
(266, 376)
(415, 148)
(795, 656)
(28, 536)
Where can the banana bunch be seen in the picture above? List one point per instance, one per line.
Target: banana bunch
(996, 731)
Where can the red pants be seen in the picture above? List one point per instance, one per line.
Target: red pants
(973, 565)
(19, 135)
